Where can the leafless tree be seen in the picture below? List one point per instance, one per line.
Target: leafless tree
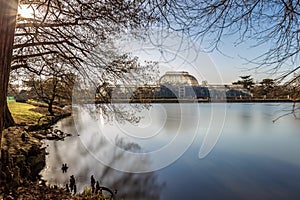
(266, 22)
(73, 29)
(78, 32)
(52, 89)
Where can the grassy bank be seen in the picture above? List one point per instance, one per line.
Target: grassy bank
(24, 113)
(33, 113)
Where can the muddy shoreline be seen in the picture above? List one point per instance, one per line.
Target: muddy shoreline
(23, 157)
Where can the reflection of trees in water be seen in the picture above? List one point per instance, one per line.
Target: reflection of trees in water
(129, 185)
(121, 113)
(138, 186)
(83, 162)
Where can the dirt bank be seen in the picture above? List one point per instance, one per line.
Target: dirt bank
(22, 159)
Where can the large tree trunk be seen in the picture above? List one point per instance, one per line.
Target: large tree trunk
(8, 119)
(8, 13)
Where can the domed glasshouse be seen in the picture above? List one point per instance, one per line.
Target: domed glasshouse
(174, 78)
(171, 87)
(180, 84)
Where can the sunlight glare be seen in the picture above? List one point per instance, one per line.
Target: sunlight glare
(25, 11)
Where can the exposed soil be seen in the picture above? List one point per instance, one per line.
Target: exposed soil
(23, 158)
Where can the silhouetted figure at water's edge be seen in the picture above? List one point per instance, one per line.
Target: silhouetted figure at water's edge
(72, 183)
(75, 189)
(97, 187)
(67, 188)
(93, 184)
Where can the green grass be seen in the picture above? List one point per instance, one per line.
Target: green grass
(21, 113)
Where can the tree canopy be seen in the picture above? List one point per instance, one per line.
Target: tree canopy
(81, 33)
(274, 23)
(77, 33)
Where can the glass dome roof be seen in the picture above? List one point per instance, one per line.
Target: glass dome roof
(178, 78)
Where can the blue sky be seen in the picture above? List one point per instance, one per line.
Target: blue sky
(176, 52)
(232, 60)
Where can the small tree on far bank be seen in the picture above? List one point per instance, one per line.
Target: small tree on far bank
(246, 81)
(52, 90)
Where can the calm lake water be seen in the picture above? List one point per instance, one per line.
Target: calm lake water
(187, 151)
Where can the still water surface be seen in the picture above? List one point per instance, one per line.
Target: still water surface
(253, 158)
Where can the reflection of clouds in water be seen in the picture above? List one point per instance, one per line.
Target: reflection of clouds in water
(83, 160)
(173, 121)
(150, 126)
(262, 164)
(82, 165)
(161, 148)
